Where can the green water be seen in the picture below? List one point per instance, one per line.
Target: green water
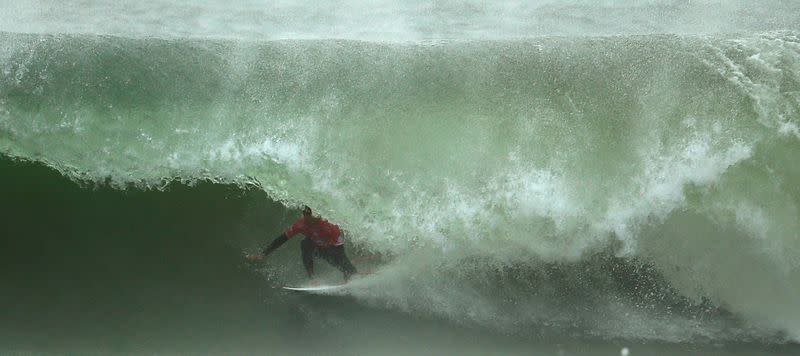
(544, 194)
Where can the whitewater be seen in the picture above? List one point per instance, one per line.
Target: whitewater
(542, 177)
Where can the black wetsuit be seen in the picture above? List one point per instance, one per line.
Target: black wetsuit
(333, 254)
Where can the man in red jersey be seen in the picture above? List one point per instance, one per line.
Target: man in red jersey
(323, 239)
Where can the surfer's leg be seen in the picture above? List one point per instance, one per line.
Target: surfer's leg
(307, 248)
(336, 256)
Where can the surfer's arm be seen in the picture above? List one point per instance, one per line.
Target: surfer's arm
(280, 240)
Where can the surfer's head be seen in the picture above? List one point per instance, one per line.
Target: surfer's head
(308, 215)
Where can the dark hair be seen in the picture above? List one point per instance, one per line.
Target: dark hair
(306, 210)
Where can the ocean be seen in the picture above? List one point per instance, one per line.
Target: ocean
(525, 178)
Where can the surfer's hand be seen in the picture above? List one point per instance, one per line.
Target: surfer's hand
(256, 257)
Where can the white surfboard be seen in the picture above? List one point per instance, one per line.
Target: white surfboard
(331, 288)
(317, 289)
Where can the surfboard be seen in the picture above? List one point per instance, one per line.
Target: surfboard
(329, 288)
(317, 289)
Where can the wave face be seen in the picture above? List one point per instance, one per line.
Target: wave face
(637, 187)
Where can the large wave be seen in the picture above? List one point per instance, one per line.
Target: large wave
(631, 186)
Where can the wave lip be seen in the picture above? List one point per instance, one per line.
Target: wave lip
(395, 21)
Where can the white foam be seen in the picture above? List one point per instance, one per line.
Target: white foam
(390, 20)
(661, 185)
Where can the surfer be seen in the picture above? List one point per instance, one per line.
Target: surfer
(323, 239)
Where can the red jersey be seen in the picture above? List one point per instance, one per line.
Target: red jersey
(322, 232)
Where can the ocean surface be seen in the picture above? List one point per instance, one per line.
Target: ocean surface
(533, 178)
